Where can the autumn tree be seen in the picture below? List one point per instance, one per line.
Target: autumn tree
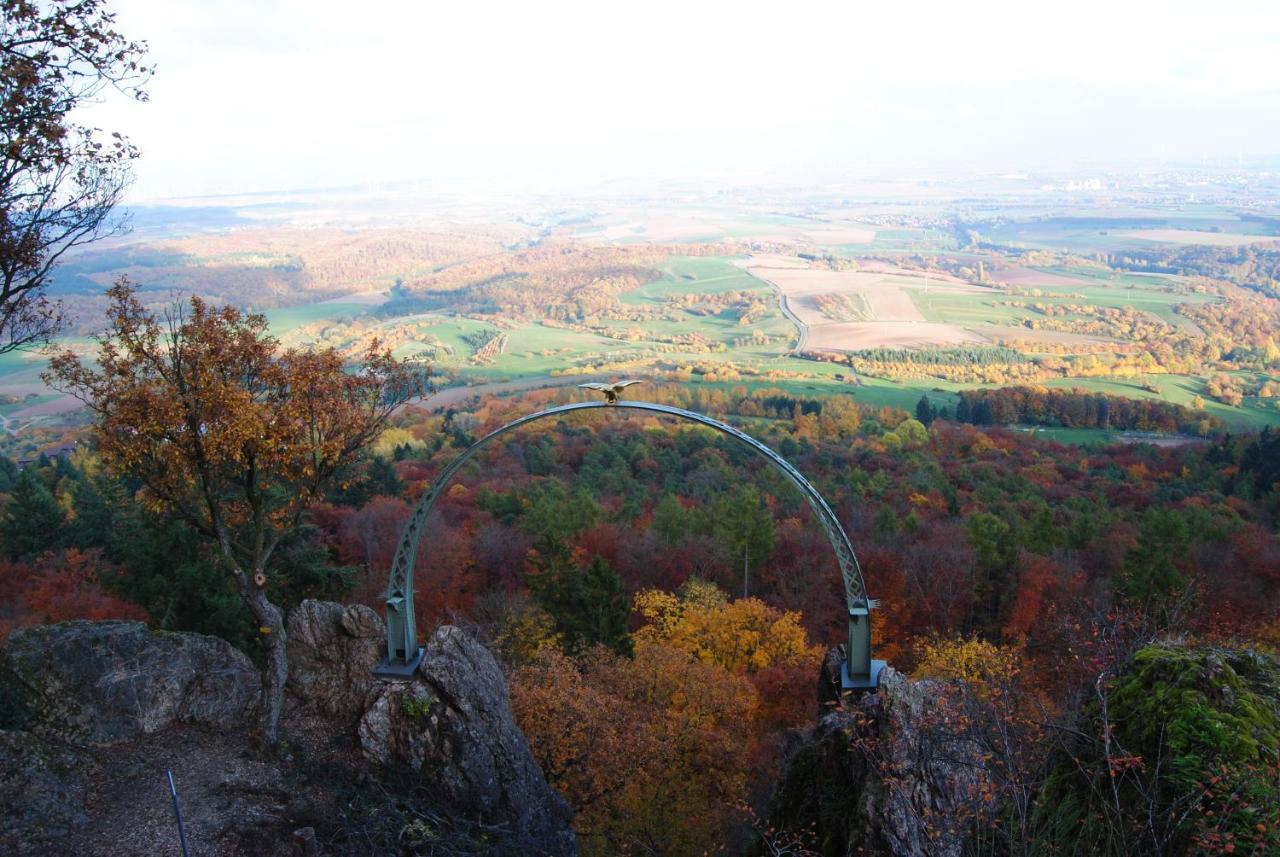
(59, 586)
(742, 635)
(651, 752)
(59, 181)
(228, 432)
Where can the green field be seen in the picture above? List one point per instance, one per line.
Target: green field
(535, 349)
(284, 320)
(1156, 295)
(538, 349)
(528, 343)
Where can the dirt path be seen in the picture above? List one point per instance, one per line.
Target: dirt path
(229, 798)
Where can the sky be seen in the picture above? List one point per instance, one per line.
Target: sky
(265, 95)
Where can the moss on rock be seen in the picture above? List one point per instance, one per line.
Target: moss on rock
(1183, 757)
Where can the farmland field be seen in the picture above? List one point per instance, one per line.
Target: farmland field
(891, 297)
(1191, 236)
(768, 293)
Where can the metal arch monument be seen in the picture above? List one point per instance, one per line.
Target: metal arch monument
(859, 671)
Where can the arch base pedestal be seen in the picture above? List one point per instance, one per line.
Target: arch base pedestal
(863, 683)
(398, 670)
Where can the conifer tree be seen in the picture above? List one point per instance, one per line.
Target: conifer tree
(32, 521)
(925, 412)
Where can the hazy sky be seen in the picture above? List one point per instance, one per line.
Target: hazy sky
(272, 94)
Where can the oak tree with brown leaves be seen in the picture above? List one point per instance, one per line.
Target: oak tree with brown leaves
(59, 180)
(232, 434)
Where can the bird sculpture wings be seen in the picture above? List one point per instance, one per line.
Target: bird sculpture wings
(611, 391)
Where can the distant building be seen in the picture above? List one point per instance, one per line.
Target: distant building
(64, 451)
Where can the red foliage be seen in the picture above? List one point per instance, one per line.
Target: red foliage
(786, 694)
(58, 587)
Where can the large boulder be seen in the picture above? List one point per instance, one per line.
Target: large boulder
(332, 650)
(885, 773)
(106, 682)
(453, 725)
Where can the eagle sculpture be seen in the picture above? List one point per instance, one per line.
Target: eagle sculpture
(611, 391)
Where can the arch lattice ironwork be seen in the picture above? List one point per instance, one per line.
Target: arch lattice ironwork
(403, 654)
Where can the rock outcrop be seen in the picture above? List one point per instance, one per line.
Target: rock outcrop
(101, 683)
(1205, 723)
(332, 650)
(886, 773)
(184, 702)
(451, 726)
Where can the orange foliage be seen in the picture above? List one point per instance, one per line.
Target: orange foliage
(56, 588)
(651, 752)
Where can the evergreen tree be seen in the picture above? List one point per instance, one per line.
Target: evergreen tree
(8, 474)
(885, 524)
(32, 521)
(996, 548)
(383, 479)
(745, 525)
(100, 507)
(1156, 568)
(589, 605)
(671, 521)
(377, 477)
(554, 517)
(925, 412)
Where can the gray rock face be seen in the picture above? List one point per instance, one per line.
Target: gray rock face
(931, 774)
(331, 651)
(887, 773)
(105, 682)
(82, 685)
(453, 724)
(41, 794)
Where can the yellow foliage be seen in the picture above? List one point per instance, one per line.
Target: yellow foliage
(972, 660)
(743, 635)
(385, 445)
(650, 749)
(528, 635)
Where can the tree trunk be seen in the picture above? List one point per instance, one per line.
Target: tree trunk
(275, 671)
(745, 569)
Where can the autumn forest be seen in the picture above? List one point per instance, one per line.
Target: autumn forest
(1035, 397)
